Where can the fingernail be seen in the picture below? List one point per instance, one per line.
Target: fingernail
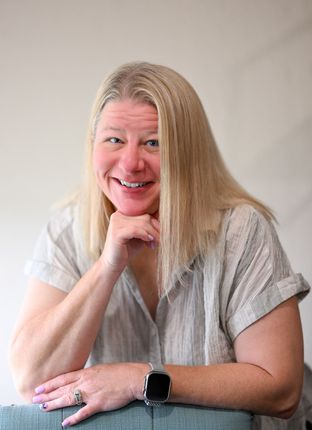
(39, 390)
(150, 237)
(66, 423)
(153, 244)
(37, 399)
(43, 406)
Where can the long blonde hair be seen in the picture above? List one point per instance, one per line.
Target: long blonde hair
(196, 186)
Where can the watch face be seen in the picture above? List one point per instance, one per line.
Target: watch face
(158, 387)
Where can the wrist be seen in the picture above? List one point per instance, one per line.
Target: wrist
(139, 371)
(106, 271)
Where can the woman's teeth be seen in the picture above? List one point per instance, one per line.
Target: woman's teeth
(132, 184)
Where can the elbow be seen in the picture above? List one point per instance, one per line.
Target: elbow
(24, 386)
(286, 411)
(25, 392)
(288, 408)
(287, 400)
(21, 376)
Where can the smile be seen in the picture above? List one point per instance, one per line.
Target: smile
(132, 184)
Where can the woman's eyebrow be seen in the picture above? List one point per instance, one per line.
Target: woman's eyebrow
(151, 131)
(121, 130)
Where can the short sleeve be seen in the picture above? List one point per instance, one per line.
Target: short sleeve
(257, 273)
(54, 259)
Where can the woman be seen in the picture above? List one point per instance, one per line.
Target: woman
(164, 259)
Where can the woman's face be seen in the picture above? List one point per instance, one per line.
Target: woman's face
(126, 156)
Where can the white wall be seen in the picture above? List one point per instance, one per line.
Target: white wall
(251, 62)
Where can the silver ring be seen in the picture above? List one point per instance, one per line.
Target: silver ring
(78, 397)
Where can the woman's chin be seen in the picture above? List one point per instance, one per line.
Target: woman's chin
(136, 211)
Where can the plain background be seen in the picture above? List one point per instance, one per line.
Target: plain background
(250, 61)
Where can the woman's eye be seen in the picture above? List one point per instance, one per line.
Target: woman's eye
(114, 140)
(153, 143)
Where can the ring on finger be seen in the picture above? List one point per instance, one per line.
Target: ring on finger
(77, 397)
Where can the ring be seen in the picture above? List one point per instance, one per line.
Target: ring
(78, 397)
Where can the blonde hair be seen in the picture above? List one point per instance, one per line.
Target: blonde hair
(196, 186)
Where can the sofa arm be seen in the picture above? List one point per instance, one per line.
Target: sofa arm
(135, 416)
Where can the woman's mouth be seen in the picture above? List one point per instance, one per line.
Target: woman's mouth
(133, 184)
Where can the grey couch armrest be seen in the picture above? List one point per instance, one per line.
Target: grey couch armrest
(135, 416)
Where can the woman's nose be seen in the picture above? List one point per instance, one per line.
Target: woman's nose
(132, 159)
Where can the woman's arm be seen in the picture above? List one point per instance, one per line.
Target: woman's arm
(56, 331)
(267, 378)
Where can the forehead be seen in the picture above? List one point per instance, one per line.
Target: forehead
(127, 115)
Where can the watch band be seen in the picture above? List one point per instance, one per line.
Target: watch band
(157, 367)
(153, 403)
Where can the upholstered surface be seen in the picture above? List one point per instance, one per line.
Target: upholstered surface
(135, 416)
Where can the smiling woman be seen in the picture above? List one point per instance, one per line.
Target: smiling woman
(163, 280)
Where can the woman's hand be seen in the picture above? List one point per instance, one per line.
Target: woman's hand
(126, 236)
(103, 387)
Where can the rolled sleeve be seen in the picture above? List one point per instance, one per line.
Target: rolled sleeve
(257, 273)
(54, 257)
(266, 301)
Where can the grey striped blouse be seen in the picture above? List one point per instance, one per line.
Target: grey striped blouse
(243, 278)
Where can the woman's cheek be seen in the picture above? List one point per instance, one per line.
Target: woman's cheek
(100, 159)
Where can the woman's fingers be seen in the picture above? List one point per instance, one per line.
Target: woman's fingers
(57, 392)
(60, 398)
(139, 227)
(57, 382)
(83, 413)
(126, 236)
(67, 399)
(98, 388)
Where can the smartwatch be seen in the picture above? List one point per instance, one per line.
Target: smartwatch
(157, 384)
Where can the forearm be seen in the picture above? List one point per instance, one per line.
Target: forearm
(59, 340)
(267, 378)
(234, 386)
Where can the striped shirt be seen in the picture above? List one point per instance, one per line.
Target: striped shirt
(242, 279)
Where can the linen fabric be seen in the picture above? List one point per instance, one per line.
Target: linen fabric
(242, 279)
